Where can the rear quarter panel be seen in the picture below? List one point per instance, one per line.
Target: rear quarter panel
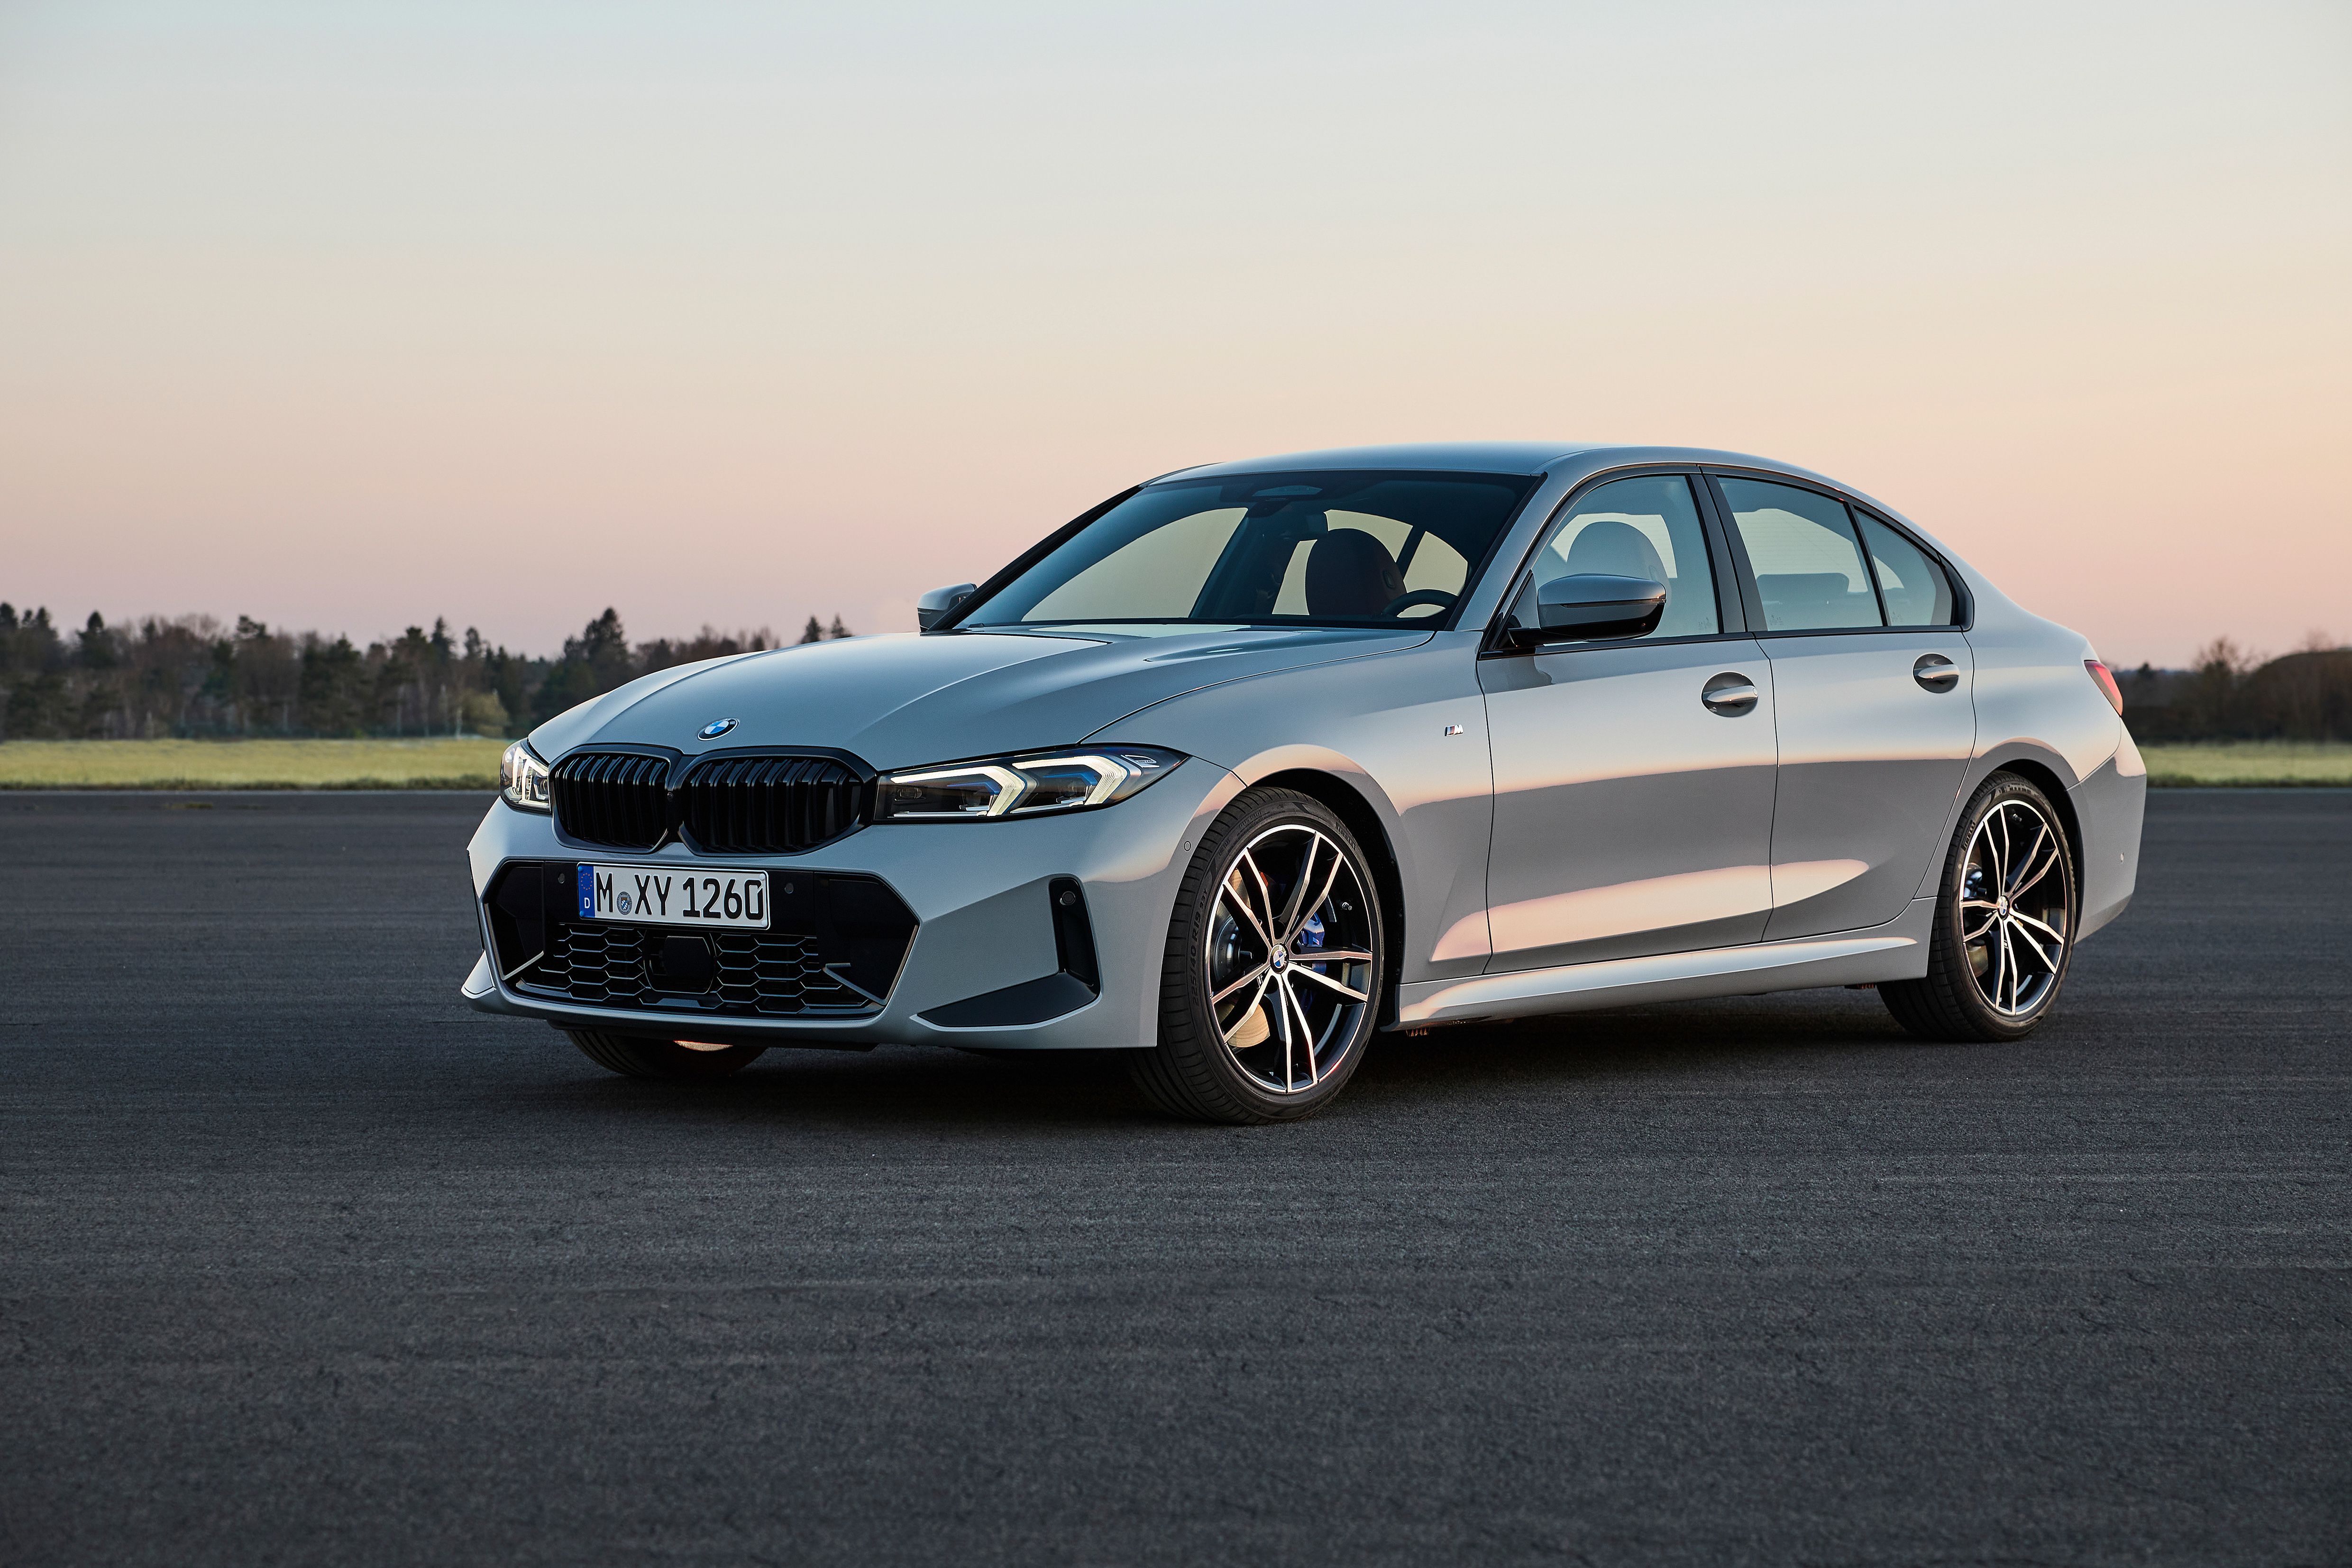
(2039, 711)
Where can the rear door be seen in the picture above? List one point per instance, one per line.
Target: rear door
(1632, 797)
(1876, 720)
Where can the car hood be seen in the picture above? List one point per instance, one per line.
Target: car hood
(900, 700)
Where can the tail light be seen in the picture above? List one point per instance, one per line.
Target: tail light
(2105, 679)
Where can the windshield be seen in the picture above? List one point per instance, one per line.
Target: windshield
(1309, 549)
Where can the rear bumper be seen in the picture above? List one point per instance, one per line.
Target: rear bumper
(2108, 808)
(981, 895)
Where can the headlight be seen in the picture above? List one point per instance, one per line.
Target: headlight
(1020, 787)
(522, 778)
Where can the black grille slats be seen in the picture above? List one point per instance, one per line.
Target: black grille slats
(618, 798)
(759, 805)
(768, 805)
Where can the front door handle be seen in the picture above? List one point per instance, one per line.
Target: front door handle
(1729, 694)
(1934, 672)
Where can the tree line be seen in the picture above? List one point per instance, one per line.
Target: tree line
(2229, 694)
(195, 677)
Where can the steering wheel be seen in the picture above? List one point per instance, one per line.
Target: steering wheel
(1397, 606)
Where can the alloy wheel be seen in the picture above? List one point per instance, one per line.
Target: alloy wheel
(1289, 957)
(2014, 916)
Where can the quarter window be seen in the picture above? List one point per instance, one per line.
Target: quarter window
(1915, 588)
(1648, 528)
(1801, 545)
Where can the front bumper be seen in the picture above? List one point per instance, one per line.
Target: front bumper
(979, 894)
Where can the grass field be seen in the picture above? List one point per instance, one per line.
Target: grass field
(442, 763)
(2249, 762)
(474, 765)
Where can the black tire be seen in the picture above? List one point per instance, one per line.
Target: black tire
(636, 1056)
(1976, 988)
(1211, 1062)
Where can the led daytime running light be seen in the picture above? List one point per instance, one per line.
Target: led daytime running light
(1074, 780)
(522, 778)
(1010, 787)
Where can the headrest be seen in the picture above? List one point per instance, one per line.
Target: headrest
(1350, 574)
(1618, 549)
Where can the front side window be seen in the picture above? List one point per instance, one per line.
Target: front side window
(1915, 590)
(1647, 528)
(1801, 545)
(1347, 549)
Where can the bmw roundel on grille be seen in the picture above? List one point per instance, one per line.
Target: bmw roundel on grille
(716, 728)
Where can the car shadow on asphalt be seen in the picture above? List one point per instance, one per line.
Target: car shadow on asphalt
(905, 1088)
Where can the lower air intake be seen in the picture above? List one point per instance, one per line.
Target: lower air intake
(835, 945)
(759, 975)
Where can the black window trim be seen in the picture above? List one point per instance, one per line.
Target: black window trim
(1731, 612)
(1963, 602)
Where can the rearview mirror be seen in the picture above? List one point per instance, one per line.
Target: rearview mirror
(935, 606)
(1585, 605)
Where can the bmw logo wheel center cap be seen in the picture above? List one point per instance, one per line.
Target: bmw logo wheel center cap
(715, 728)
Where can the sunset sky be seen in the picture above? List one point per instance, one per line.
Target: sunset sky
(349, 315)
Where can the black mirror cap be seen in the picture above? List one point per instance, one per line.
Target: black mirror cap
(936, 605)
(1586, 606)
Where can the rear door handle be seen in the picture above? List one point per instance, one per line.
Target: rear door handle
(1935, 673)
(1729, 694)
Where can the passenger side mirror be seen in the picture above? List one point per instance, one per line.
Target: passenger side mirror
(1584, 605)
(935, 606)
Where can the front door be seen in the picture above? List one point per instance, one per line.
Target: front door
(1633, 788)
(1877, 721)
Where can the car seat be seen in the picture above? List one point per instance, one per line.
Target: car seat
(1351, 575)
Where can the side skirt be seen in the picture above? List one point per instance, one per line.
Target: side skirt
(1895, 951)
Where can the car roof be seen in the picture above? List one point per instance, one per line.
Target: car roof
(1485, 457)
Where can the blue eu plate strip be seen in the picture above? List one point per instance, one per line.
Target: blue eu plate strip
(587, 893)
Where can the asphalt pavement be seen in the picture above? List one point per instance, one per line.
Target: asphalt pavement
(303, 1262)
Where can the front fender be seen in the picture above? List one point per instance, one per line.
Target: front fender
(1407, 732)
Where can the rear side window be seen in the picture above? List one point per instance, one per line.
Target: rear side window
(1801, 545)
(1915, 588)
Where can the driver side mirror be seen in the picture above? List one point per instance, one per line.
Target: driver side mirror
(935, 606)
(1581, 607)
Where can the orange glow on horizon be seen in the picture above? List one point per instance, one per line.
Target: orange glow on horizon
(348, 321)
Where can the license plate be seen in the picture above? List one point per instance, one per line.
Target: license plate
(647, 895)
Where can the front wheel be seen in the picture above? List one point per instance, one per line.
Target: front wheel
(1270, 983)
(2004, 931)
(634, 1056)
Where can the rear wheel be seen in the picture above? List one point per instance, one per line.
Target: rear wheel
(2004, 924)
(1270, 983)
(636, 1056)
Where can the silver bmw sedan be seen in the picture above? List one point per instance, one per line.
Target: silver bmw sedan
(1254, 761)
